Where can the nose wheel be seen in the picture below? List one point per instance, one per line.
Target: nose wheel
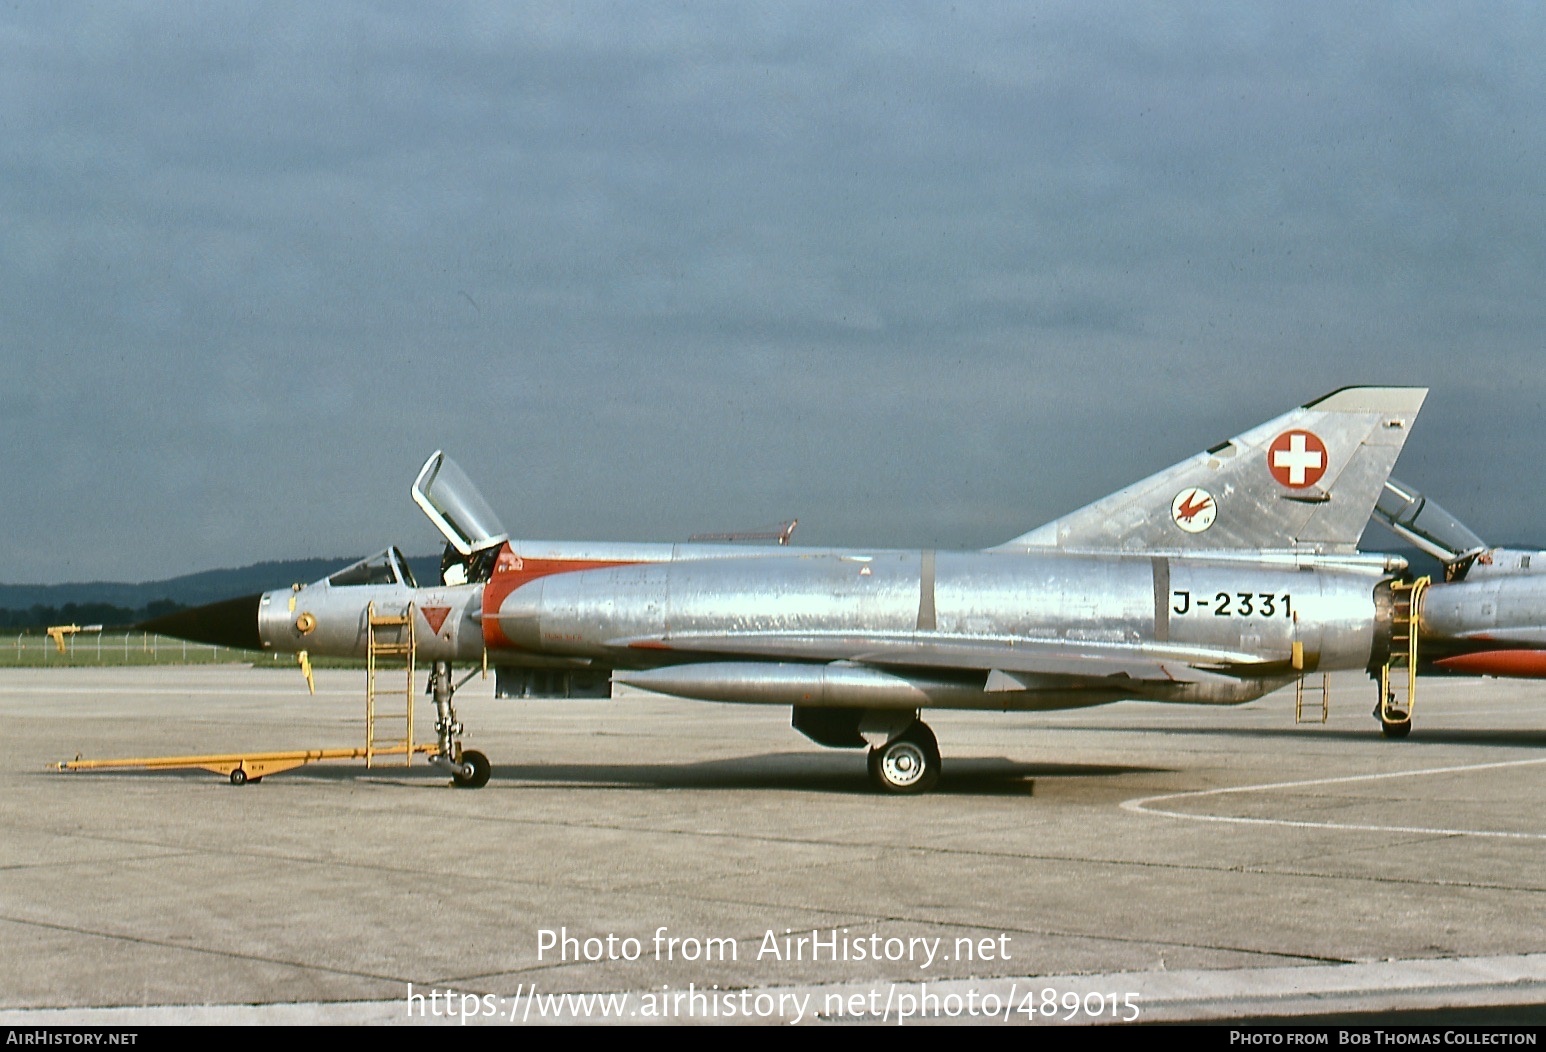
(476, 767)
(908, 763)
(469, 769)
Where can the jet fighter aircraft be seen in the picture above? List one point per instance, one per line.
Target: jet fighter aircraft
(1488, 616)
(1214, 581)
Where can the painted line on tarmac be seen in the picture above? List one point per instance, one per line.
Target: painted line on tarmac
(1145, 805)
(1214, 995)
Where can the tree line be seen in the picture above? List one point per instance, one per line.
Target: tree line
(38, 617)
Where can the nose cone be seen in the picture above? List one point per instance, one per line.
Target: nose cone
(229, 623)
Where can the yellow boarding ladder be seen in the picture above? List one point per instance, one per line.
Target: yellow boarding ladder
(390, 636)
(1407, 598)
(1303, 694)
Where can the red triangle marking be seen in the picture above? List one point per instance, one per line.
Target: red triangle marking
(435, 615)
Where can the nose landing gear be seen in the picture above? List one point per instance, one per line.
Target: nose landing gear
(469, 769)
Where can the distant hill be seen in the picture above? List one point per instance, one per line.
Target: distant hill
(118, 603)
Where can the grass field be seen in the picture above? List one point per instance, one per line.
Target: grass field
(24, 650)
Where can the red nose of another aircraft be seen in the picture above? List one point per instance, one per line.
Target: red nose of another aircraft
(228, 623)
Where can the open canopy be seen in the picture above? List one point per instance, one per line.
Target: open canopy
(456, 507)
(1415, 518)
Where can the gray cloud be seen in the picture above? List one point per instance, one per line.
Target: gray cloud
(918, 276)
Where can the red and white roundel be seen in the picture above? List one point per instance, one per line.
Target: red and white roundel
(1297, 459)
(1193, 510)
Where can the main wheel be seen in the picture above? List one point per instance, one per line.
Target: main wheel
(908, 763)
(238, 777)
(480, 771)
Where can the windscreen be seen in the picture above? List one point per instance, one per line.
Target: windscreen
(456, 507)
(387, 567)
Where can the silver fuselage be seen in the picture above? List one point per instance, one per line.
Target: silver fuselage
(1501, 601)
(930, 628)
(339, 615)
(1493, 621)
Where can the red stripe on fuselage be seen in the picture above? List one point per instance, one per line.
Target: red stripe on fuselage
(1522, 664)
(511, 571)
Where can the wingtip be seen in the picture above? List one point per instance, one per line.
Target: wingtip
(1371, 400)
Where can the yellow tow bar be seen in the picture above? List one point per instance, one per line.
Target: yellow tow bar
(240, 768)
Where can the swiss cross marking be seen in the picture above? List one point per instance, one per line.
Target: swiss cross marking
(1297, 459)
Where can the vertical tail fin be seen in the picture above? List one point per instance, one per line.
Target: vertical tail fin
(1307, 480)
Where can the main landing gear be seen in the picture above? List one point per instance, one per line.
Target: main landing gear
(469, 769)
(908, 763)
(1395, 722)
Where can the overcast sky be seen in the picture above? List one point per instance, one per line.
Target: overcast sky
(916, 274)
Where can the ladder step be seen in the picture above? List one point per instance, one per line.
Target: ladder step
(1406, 598)
(389, 728)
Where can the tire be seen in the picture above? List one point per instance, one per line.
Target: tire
(908, 763)
(480, 771)
(238, 777)
(1396, 730)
